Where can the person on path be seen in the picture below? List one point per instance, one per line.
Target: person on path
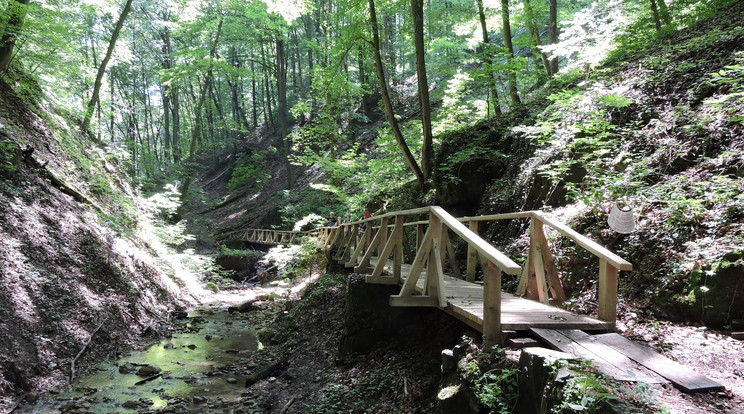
(331, 220)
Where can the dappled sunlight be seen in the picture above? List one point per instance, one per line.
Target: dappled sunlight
(311, 218)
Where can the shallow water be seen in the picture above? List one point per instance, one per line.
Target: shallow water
(206, 361)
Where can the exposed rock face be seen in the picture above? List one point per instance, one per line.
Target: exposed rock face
(539, 373)
(719, 292)
(369, 319)
(368, 316)
(240, 264)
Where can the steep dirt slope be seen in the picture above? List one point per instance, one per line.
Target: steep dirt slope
(72, 259)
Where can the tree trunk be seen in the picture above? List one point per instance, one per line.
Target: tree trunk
(196, 132)
(102, 69)
(655, 13)
(16, 12)
(427, 152)
(553, 33)
(166, 126)
(535, 35)
(254, 97)
(509, 54)
(267, 109)
(309, 33)
(362, 80)
(386, 97)
(281, 89)
(176, 111)
(170, 102)
(487, 61)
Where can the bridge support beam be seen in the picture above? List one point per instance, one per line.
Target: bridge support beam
(393, 245)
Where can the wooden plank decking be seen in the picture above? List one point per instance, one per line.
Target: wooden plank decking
(625, 360)
(465, 302)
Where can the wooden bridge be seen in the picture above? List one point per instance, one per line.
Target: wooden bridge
(377, 247)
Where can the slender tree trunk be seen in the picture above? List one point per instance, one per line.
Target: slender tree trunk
(310, 34)
(268, 108)
(509, 53)
(176, 111)
(298, 59)
(386, 98)
(16, 12)
(102, 69)
(254, 93)
(166, 126)
(111, 109)
(553, 33)
(170, 102)
(362, 80)
(427, 151)
(281, 89)
(655, 13)
(535, 35)
(196, 132)
(487, 62)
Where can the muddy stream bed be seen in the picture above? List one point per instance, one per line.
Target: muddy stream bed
(201, 364)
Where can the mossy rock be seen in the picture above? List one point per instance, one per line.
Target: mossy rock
(715, 294)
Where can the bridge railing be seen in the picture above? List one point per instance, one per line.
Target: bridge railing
(539, 276)
(268, 236)
(382, 236)
(367, 246)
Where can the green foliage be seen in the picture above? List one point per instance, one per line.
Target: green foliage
(615, 101)
(495, 382)
(251, 172)
(212, 286)
(730, 80)
(9, 154)
(372, 393)
(228, 252)
(310, 255)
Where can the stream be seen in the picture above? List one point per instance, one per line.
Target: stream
(202, 365)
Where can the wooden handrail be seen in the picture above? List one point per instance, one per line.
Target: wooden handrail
(489, 252)
(585, 242)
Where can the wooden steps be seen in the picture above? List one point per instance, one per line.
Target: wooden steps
(625, 360)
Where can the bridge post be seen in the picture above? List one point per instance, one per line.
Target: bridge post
(472, 255)
(434, 282)
(420, 232)
(384, 231)
(607, 310)
(492, 334)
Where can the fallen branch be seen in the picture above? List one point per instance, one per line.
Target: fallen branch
(72, 365)
(148, 379)
(18, 402)
(286, 406)
(269, 370)
(56, 182)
